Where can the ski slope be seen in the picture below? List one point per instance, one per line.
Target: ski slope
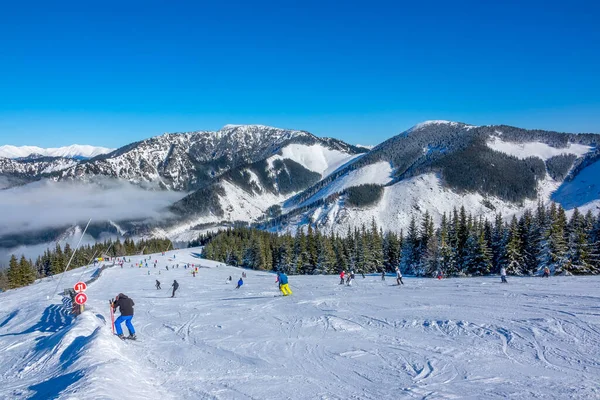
(455, 338)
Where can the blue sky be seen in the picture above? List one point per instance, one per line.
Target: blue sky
(109, 73)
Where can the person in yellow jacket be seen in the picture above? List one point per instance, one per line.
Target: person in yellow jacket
(283, 284)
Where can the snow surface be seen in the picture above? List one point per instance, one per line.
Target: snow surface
(378, 173)
(72, 151)
(412, 197)
(583, 191)
(455, 338)
(316, 158)
(535, 149)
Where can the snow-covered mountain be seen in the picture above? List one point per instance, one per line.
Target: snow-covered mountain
(73, 151)
(188, 161)
(438, 165)
(285, 179)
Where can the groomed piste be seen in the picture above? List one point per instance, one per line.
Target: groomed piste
(434, 339)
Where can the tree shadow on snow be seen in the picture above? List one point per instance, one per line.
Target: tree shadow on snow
(9, 318)
(51, 388)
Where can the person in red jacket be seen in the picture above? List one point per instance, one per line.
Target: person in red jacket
(342, 277)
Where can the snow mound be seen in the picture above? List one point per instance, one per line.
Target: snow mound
(535, 149)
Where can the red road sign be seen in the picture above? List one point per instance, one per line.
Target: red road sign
(80, 287)
(80, 298)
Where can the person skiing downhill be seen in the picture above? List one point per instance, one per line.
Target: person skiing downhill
(175, 286)
(546, 272)
(157, 284)
(240, 283)
(503, 275)
(350, 278)
(282, 279)
(399, 277)
(383, 275)
(125, 306)
(342, 277)
(228, 279)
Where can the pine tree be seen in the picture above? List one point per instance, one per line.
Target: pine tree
(446, 255)
(410, 249)
(514, 250)
(579, 249)
(14, 273)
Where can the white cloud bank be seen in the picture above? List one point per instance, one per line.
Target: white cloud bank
(46, 204)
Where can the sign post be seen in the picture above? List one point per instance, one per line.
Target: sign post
(80, 297)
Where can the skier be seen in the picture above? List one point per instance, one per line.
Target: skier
(503, 275)
(228, 280)
(157, 284)
(167, 267)
(440, 275)
(546, 272)
(194, 274)
(125, 305)
(383, 275)
(243, 274)
(282, 279)
(175, 286)
(240, 283)
(399, 277)
(363, 275)
(342, 277)
(350, 278)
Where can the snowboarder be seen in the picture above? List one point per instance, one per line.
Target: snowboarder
(342, 277)
(546, 272)
(399, 277)
(383, 275)
(175, 286)
(503, 275)
(240, 283)
(282, 279)
(125, 305)
(157, 284)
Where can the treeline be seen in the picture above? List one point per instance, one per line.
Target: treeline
(462, 245)
(23, 272)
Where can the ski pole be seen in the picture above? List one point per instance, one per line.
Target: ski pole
(112, 316)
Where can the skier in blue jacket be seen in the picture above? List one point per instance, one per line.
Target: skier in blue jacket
(283, 283)
(240, 283)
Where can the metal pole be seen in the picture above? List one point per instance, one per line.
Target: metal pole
(71, 259)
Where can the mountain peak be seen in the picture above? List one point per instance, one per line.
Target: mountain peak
(72, 151)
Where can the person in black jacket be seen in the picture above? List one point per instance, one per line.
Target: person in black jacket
(125, 305)
(157, 284)
(175, 286)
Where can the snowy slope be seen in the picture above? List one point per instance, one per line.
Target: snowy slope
(317, 157)
(536, 149)
(378, 173)
(411, 198)
(456, 338)
(583, 191)
(73, 151)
